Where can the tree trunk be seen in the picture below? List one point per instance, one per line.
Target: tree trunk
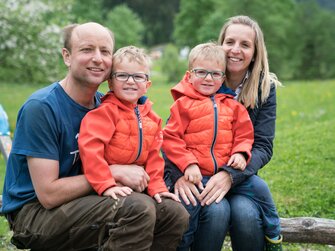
(308, 230)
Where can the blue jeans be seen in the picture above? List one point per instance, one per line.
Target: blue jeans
(207, 227)
(256, 189)
(252, 214)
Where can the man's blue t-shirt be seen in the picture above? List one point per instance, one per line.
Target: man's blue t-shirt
(47, 127)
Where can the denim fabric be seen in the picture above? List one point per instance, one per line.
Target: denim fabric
(207, 227)
(256, 189)
(246, 231)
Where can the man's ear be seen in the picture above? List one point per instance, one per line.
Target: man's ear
(66, 57)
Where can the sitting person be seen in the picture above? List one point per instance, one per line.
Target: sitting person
(124, 130)
(47, 200)
(206, 130)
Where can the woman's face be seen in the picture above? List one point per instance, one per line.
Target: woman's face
(239, 45)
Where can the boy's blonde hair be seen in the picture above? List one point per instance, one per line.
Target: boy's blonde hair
(207, 51)
(132, 53)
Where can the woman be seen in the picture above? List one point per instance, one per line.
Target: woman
(248, 75)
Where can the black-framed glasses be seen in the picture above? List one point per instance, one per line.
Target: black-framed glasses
(202, 73)
(124, 76)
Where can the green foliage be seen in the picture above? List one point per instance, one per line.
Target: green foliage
(29, 41)
(87, 11)
(190, 18)
(126, 25)
(156, 15)
(172, 65)
(297, 34)
(316, 42)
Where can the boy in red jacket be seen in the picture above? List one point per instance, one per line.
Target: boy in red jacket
(206, 130)
(124, 130)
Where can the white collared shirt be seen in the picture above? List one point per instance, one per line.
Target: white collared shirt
(239, 87)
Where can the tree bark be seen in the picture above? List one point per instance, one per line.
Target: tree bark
(308, 230)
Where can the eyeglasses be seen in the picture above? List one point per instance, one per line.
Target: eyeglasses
(202, 73)
(137, 77)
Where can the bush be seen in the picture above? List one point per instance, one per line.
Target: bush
(172, 65)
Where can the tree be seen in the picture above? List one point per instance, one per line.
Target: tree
(172, 66)
(87, 11)
(316, 42)
(126, 25)
(156, 15)
(189, 20)
(30, 40)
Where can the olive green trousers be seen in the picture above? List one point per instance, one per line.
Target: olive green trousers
(135, 222)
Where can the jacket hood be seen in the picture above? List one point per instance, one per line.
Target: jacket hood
(185, 88)
(143, 103)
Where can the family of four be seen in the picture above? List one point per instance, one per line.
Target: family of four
(121, 193)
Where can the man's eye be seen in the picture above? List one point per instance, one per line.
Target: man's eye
(105, 52)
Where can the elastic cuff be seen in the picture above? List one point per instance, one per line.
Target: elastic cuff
(274, 241)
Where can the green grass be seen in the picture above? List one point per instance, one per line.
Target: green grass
(301, 174)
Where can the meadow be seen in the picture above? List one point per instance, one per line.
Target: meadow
(301, 173)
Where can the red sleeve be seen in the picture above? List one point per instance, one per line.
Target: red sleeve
(96, 130)
(155, 164)
(174, 145)
(243, 131)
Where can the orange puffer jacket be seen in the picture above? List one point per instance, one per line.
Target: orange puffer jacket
(121, 133)
(206, 130)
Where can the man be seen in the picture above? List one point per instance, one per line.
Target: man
(48, 202)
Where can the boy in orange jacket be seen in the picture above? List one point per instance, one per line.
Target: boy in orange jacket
(124, 130)
(206, 130)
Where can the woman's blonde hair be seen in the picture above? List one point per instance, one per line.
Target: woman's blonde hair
(259, 68)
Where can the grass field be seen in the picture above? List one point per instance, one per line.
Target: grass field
(301, 174)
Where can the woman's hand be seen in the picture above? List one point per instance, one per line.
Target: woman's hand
(216, 188)
(187, 190)
(132, 176)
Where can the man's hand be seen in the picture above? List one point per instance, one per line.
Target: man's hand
(216, 188)
(132, 176)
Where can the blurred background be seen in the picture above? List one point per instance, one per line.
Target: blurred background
(299, 34)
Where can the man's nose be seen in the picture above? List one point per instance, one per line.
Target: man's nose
(97, 56)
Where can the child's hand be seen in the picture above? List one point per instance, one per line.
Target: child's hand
(237, 161)
(193, 174)
(158, 196)
(117, 190)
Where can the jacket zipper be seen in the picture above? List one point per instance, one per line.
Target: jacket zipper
(215, 133)
(140, 132)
